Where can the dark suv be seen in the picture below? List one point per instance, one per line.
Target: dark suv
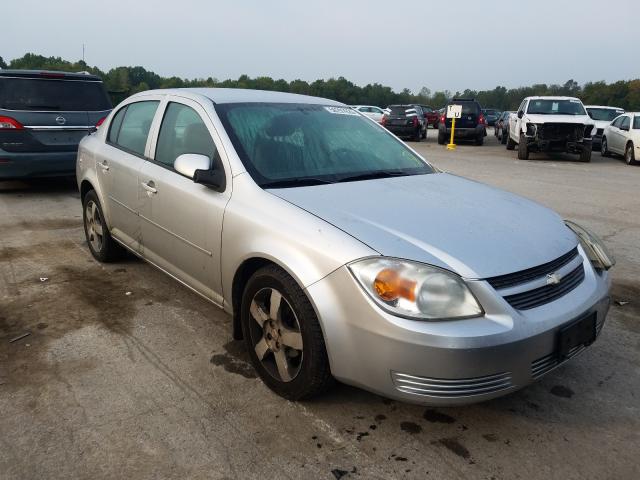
(470, 126)
(43, 117)
(406, 121)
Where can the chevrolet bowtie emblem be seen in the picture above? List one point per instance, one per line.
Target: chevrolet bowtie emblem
(553, 279)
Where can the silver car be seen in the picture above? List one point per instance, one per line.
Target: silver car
(338, 250)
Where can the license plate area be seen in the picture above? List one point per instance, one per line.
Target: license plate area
(580, 332)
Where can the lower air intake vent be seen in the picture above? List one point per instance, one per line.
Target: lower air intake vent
(451, 388)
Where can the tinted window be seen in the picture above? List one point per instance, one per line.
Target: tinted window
(57, 95)
(626, 122)
(278, 142)
(605, 114)
(401, 110)
(182, 131)
(468, 107)
(636, 123)
(134, 128)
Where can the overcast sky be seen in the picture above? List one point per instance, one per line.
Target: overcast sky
(437, 44)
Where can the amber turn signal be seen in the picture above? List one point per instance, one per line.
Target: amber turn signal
(390, 286)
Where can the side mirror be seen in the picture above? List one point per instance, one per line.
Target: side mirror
(187, 164)
(520, 114)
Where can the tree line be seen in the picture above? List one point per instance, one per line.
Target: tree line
(124, 81)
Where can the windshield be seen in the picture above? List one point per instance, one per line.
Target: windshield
(62, 95)
(555, 107)
(297, 144)
(605, 114)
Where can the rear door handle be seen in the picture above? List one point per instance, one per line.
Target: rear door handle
(149, 186)
(104, 165)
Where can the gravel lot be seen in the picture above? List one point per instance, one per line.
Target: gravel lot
(126, 374)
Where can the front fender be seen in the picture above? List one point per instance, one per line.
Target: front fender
(260, 225)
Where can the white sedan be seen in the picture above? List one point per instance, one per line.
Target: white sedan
(371, 111)
(622, 136)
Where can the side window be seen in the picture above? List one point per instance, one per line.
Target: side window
(114, 128)
(626, 122)
(617, 122)
(182, 131)
(134, 126)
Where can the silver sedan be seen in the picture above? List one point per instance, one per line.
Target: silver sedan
(338, 250)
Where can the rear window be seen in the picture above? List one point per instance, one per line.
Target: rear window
(402, 110)
(57, 95)
(636, 123)
(467, 107)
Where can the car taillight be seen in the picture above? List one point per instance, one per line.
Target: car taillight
(8, 123)
(383, 121)
(100, 122)
(442, 119)
(415, 121)
(481, 118)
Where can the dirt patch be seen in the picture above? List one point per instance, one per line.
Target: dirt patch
(410, 427)
(453, 445)
(435, 416)
(625, 300)
(48, 224)
(36, 251)
(561, 391)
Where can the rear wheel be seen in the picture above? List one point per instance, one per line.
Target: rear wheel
(442, 137)
(479, 139)
(629, 155)
(523, 148)
(418, 134)
(604, 148)
(101, 245)
(283, 335)
(510, 143)
(503, 137)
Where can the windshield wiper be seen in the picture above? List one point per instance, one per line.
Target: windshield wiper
(295, 182)
(374, 175)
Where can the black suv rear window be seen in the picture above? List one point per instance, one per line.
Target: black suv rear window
(47, 94)
(467, 107)
(402, 110)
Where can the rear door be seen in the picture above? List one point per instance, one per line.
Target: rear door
(118, 166)
(182, 220)
(56, 112)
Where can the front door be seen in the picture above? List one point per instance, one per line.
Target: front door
(182, 220)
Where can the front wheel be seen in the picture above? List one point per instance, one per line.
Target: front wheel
(283, 335)
(629, 155)
(101, 245)
(523, 148)
(585, 154)
(604, 148)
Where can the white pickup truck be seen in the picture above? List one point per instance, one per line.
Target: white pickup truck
(551, 124)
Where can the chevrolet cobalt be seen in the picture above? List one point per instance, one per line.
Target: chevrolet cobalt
(338, 250)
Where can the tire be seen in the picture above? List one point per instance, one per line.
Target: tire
(424, 134)
(442, 137)
(510, 143)
(292, 373)
(604, 150)
(629, 155)
(417, 135)
(503, 137)
(101, 245)
(523, 148)
(479, 140)
(585, 154)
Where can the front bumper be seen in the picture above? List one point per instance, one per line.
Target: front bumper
(447, 362)
(41, 164)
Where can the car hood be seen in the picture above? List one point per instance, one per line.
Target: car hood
(578, 119)
(440, 219)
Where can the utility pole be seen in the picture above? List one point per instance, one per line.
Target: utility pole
(83, 53)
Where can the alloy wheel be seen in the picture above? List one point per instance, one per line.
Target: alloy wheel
(94, 226)
(275, 334)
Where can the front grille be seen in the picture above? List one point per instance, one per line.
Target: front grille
(524, 276)
(548, 293)
(451, 388)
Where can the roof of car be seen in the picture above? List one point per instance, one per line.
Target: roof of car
(242, 95)
(551, 97)
(608, 107)
(49, 74)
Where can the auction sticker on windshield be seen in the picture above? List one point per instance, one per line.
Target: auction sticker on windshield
(341, 110)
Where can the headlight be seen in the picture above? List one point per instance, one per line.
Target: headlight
(415, 290)
(595, 249)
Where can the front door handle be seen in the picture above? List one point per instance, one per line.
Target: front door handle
(104, 165)
(149, 186)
